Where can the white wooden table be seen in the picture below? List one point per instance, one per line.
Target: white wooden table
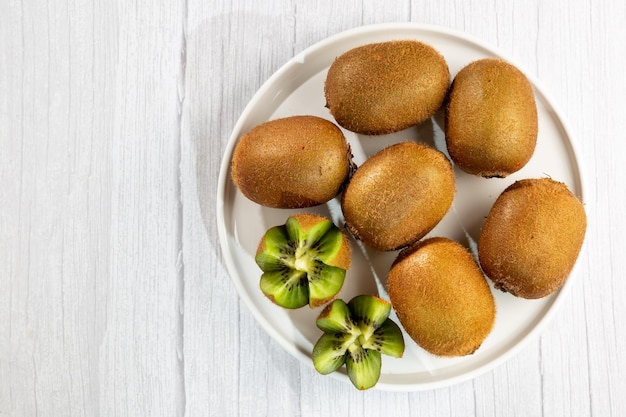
(114, 299)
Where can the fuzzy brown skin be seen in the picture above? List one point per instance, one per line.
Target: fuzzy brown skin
(532, 237)
(491, 119)
(441, 297)
(386, 87)
(293, 162)
(398, 195)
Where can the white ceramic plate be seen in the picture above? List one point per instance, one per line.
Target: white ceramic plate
(297, 88)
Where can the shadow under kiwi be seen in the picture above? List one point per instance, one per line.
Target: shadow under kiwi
(369, 145)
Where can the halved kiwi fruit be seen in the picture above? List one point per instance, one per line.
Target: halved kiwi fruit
(303, 261)
(356, 334)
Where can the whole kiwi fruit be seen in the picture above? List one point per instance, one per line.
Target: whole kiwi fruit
(491, 121)
(532, 237)
(385, 87)
(291, 162)
(398, 195)
(441, 297)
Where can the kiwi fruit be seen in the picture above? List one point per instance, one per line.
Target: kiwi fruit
(398, 195)
(531, 237)
(386, 87)
(441, 297)
(491, 119)
(357, 334)
(303, 261)
(291, 162)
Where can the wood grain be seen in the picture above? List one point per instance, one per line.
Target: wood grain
(114, 299)
(89, 318)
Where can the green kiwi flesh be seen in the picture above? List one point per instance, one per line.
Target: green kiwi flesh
(386, 87)
(532, 237)
(303, 261)
(357, 334)
(491, 120)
